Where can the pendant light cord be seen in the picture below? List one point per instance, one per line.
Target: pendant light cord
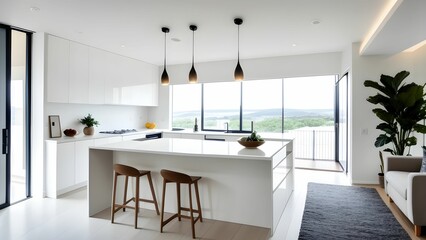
(165, 49)
(238, 43)
(193, 47)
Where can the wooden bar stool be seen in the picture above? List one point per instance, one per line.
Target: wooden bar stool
(128, 171)
(178, 178)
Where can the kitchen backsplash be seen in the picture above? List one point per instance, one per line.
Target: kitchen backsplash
(109, 116)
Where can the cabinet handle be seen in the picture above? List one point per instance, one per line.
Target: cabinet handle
(5, 141)
(213, 139)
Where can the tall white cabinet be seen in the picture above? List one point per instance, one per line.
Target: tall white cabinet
(77, 73)
(58, 73)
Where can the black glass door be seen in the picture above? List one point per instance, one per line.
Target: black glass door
(4, 116)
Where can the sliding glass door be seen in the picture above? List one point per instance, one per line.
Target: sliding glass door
(15, 55)
(4, 116)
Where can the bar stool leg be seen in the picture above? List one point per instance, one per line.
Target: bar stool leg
(162, 205)
(178, 200)
(191, 211)
(113, 198)
(137, 202)
(154, 198)
(125, 193)
(197, 195)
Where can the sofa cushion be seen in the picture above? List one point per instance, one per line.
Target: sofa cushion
(423, 168)
(399, 181)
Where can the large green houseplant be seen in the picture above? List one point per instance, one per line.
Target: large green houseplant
(402, 110)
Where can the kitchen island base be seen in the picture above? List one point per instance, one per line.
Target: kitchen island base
(246, 190)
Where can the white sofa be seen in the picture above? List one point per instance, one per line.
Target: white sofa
(406, 186)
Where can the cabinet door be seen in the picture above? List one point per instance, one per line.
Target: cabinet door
(148, 76)
(133, 136)
(58, 53)
(82, 160)
(65, 165)
(171, 135)
(102, 141)
(98, 72)
(192, 136)
(79, 73)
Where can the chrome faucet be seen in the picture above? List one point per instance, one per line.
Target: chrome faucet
(227, 125)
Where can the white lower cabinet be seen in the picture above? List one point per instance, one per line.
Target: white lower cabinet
(67, 164)
(192, 136)
(171, 135)
(133, 136)
(81, 166)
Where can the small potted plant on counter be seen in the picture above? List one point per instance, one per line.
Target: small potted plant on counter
(90, 122)
(252, 141)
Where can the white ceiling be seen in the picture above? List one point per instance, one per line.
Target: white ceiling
(270, 27)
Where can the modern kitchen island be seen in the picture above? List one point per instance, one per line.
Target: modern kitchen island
(241, 185)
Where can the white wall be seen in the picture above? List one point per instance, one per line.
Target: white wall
(254, 69)
(37, 109)
(365, 160)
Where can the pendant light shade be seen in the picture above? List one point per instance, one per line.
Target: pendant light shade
(165, 76)
(238, 74)
(192, 73)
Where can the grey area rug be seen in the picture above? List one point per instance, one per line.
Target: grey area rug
(345, 212)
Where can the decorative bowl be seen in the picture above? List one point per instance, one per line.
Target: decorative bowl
(70, 132)
(250, 144)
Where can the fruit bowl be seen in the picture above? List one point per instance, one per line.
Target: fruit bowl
(250, 144)
(70, 132)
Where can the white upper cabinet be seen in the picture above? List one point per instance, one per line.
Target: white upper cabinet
(79, 73)
(98, 72)
(58, 53)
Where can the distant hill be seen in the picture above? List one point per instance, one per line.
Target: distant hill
(263, 113)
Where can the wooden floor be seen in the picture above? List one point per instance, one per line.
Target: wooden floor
(66, 218)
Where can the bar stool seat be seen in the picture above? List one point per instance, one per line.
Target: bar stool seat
(178, 178)
(127, 171)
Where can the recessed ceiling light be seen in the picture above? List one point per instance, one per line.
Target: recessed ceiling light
(316, 22)
(34, 9)
(175, 39)
(123, 46)
(293, 45)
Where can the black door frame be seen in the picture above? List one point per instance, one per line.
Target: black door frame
(345, 77)
(27, 110)
(6, 131)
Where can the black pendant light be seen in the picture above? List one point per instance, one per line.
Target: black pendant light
(165, 76)
(238, 74)
(192, 72)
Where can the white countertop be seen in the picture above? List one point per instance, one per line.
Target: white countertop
(81, 137)
(194, 147)
(264, 135)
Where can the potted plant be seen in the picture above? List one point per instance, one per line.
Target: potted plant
(402, 108)
(90, 122)
(382, 171)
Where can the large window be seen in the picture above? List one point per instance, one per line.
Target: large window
(222, 105)
(262, 105)
(186, 105)
(274, 105)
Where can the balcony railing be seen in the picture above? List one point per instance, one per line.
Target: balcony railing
(314, 143)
